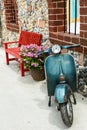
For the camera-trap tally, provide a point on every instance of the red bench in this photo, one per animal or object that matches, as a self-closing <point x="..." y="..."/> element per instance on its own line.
<point x="26" y="38"/>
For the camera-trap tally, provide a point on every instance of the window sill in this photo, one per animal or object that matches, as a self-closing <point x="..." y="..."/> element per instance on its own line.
<point x="69" y="35"/>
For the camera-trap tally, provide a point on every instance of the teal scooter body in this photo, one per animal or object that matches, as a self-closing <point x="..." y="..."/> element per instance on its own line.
<point x="61" y="77"/>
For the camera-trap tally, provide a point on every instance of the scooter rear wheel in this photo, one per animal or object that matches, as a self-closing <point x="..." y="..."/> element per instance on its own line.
<point x="66" y="110"/>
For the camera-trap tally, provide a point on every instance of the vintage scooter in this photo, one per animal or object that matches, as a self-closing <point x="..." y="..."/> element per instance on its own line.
<point x="60" y="71"/>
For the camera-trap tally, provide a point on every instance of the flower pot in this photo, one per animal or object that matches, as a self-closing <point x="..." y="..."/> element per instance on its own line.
<point x="37" y="75"/>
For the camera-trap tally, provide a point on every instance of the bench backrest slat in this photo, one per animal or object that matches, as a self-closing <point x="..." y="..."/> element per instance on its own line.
<point x="27" y="38"/>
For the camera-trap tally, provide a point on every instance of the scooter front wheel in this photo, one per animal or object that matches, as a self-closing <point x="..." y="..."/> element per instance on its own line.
<point x="66" y="110"/>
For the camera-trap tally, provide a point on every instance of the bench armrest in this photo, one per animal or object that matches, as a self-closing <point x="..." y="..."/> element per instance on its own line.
<point x="8" y="43"/>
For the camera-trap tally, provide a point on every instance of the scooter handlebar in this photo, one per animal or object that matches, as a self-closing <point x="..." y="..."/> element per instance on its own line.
<point x="45" y="51"/>
<point x="49" y="50"/>
<point x="70" y="46"/>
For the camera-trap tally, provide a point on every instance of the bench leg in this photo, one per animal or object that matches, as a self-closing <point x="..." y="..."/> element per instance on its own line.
<point x="7" y="59"/>
<point x="22" y="68"/>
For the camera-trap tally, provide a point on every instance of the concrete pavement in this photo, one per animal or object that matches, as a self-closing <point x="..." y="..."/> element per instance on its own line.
<point x="24" y="103"/>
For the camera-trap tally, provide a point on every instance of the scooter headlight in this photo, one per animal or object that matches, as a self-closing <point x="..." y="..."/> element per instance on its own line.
<point x="56" y="49"/>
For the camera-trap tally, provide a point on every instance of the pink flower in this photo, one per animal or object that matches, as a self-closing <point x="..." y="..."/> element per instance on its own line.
<point x="34" y="64"/>
<point x="30" y="54"/>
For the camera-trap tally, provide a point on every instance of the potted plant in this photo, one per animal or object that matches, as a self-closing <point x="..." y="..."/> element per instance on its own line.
<point x="34" y="62"/>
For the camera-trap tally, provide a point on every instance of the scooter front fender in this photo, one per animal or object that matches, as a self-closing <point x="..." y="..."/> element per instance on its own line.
<point x="62" y="93"/>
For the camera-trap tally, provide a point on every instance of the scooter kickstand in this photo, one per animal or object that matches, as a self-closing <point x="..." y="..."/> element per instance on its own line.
<point x="74" y="99"/>
<point x="58" y="107"/>
<point x="49" y="103"/>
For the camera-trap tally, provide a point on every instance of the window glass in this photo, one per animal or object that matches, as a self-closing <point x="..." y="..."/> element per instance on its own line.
<point x="74" y="13"/>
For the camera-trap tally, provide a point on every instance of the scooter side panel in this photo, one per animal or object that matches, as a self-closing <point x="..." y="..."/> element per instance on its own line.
<point x="52" y="72"/>
<point x="69" y="70"/>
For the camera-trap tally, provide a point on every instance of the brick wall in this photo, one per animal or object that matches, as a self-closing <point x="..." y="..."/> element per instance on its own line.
<point x="56" y="24"/>
<point x="11" y="13"/>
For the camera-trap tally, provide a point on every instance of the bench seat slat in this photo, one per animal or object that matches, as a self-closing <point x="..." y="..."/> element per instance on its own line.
<point x="14" y="51"/>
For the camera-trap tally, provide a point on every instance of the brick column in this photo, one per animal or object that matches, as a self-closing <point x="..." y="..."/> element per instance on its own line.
<point x="11" y="12"/>
<point x="83" y="22"/>
<point x="56" y="18"/>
